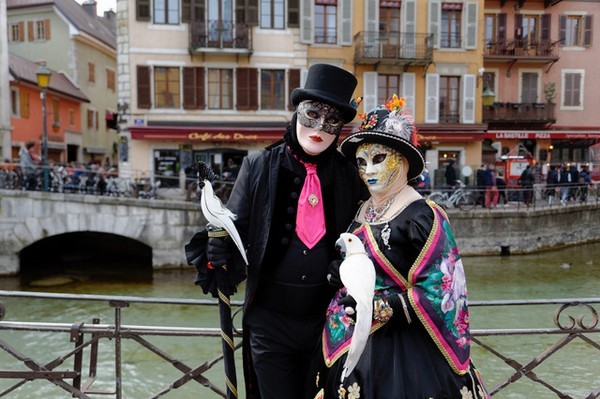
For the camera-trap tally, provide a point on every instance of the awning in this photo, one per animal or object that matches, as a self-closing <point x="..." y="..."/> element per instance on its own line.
<point x="541" y="134"/>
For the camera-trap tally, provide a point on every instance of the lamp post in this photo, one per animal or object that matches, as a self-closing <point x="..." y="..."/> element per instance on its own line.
<point x="43" y="81"/>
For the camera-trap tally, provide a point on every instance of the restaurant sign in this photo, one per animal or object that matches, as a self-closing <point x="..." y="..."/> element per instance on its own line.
<point x="524" y="135"/>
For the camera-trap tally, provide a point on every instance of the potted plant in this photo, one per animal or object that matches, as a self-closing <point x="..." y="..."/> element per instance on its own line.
<point x="550" y="92"/>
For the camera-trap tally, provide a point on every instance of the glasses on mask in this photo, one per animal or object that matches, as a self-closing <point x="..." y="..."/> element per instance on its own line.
<point x="320" y="116"/>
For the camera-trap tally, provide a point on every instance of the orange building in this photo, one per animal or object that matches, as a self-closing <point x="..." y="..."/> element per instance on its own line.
<point x="63" y="102"/>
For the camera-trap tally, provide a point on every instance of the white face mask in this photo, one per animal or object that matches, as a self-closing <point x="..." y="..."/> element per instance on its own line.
<point x="312" y="141"/>
<point x="378" y="166"/>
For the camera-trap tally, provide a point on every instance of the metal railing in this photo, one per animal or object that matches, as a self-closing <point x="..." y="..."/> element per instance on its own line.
<point x="393" y="48"/>
<point x="567" y="328"/>
<point x="513" y="113"/>
<point x="220" y="34"/>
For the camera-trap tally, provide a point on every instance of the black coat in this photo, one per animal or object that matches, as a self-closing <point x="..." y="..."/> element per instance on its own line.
<point x="253" y="201"/>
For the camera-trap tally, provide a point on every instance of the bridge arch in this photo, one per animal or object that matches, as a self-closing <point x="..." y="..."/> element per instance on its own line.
<point x="86" y="254"/>
<point x="29" y="217"/>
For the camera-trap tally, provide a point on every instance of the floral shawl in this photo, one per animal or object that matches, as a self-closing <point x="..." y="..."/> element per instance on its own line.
<point x="436" y="288"/>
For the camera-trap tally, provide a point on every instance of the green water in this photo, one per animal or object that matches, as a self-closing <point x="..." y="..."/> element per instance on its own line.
<point x="565" y="273"/>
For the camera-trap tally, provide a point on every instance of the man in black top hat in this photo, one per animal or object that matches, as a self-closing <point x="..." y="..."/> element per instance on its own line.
<point x="289" y="218"/>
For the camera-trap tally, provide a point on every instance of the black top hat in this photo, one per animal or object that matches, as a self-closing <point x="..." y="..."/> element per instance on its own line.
<point x="391" y="126"/>
<point x="330" y="85"/>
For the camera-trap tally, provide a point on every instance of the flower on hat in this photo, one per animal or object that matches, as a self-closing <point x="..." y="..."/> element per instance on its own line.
<point x="396" y="104"/>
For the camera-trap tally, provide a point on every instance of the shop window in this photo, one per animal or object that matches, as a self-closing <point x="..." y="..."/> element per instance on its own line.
<point x="166" y="167"/>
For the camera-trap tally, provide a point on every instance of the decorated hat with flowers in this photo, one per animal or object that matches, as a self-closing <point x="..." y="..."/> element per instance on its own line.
<point x="390" y="125"/>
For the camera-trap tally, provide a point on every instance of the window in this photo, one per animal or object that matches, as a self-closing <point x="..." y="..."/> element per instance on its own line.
<point x="272" y="89"/>
<point x="110" y="80"/>
<point x="166" y="87"/>
<point x="490" y="28"/>
<point x="220" y="89"/>
<point x="387" y="86"/>
<point x="572" y="89"/>
<point x="451" y="25"/>
<point x="449" y="100"/>
<point x="14" y="103"/>
<point x="55" y="111"/>
<point x="389" y="19"/>
<point x="220" y="23"/>
<point x="92" y="119"/>
<point x="326" y="21"/>
<point x="16" y="32"/>
<point x="575" y="30"/>
<point x="166" y="12"/>
<point x="272" y="14"/>
<point x="91" y="72"/>
<point x="38" y="30"/>
<point x="71" y="117"/>
<point x="529" y="30"/>
<point x="529" y="87"/>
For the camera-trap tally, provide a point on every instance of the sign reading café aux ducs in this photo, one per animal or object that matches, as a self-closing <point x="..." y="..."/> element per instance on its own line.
<point x="206" y="134"/>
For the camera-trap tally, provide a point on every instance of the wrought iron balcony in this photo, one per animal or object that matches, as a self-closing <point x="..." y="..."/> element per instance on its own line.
<point x="543" y="51"/>
<point x="220" y="36"/>
<point x="393" y="48"/>
<point x="513" y="113"/>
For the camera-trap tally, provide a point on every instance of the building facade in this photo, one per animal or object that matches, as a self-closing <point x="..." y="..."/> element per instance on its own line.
<point x="82" y="46"/>
<point x="210" y="79"/>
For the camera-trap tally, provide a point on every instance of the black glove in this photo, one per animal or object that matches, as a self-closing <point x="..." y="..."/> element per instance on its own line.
<point x="219" y="251"/>
<point x="349" y="304"/>
<point x="333" y="274"/>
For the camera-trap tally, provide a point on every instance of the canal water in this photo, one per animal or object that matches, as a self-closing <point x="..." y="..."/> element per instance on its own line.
<point x="565" y="273"/>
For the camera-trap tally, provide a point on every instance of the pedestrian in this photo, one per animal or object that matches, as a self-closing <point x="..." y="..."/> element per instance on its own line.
<point x="563" y="181"/>
<point x="526" y="181"/>
<point x="585" y="180"/>
<point x="574" y="180"/>
<point x="491" y="189"/>
<point x="450" y="174"/>
<point x="28" y="163"/>
<point x="288" y="248"/>
<point x="551" y="184"/>
<point x="419" y="341"/>
<point x="480" y="186"/>
<point x="501" y="184"/>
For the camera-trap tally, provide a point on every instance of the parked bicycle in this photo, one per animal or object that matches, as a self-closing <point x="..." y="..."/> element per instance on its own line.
<point x="461" y="197"/>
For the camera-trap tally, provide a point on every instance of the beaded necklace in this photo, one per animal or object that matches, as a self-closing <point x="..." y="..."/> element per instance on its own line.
<point x="373" y="214"/>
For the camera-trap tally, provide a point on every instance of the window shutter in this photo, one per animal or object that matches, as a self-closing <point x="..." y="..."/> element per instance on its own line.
<point x="502" y="28"/>
<point x="409" y="21"/>
<point x="408" y="90"/>
<point x="293" y="82"/>
<point x="21" y="31"/>
<point x="186" y="11"/>
<point x="471" y="31"/>
<point x="518" y="26"/>
<point x="372" y="28"/>
<point x="346" y="27"/>
<point x="432" y="83"/>
<point x="142" y="10"/>
<point x="293" y="14"/>
<point x="468" y="103"/>
<point x="247" y="89"/>
<point x="587" y="30"/>
<point x="30" y="36"/>
<point x="435" y="15"/>
<point x="193" y="88"/>
<point x="370" y="91"/>
<point x="562" y="29"/>
<point x="24" y="103"/>
<point x="143" y="87"/>
<point x="545" y="32"/>
<point x="306" y="18"/>
<point x="47" y="28"/>
<point x="246" y="12"/>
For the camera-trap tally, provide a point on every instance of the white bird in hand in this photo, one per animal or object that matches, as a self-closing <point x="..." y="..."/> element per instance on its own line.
<point x="357" y="273"/>
<point x="215" y="212"/>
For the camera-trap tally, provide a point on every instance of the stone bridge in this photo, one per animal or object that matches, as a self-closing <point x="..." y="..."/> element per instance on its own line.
<point x="160" y="227"/>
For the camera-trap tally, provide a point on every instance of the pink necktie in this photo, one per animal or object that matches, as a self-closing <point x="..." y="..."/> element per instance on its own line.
<point x="310" y="220"/>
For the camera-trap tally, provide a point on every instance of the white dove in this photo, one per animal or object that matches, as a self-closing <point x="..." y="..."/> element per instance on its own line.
<point x="218" y="215"/>
<point x="357" y="273"/>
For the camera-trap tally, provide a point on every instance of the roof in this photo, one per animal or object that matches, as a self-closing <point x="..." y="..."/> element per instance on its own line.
<point x="92" y="25"/>
<point x="24" y="70"/>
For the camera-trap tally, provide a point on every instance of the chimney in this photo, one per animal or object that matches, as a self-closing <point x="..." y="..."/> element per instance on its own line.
<point x="110" y="15"/>
<point x="90" y="7"/>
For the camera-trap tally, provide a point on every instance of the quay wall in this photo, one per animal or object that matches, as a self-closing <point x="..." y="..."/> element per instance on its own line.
<point x="523" y="231"/>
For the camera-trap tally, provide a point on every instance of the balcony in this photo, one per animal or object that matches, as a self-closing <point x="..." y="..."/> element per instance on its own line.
<point x="519" y="113"/>
<point x="393" y="48"/>
<point x="221" y="37"/>
<point x="515" y="51"/>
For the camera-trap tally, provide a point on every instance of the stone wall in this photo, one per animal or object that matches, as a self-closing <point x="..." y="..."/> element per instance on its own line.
<point x="481" y="232"/>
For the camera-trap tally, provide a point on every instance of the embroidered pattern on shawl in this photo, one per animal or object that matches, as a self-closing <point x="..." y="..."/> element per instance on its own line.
<point x="436" y="289"/>
<point x="439" y="293"/>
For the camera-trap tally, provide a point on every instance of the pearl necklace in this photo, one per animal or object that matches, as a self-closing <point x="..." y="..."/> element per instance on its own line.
<point x="373" y="214"/>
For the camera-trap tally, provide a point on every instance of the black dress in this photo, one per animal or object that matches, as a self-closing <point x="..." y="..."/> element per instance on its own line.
<point x="423" y="350"/>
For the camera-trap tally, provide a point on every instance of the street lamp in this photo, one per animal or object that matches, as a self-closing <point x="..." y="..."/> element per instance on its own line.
<point x="43" y="80"/>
